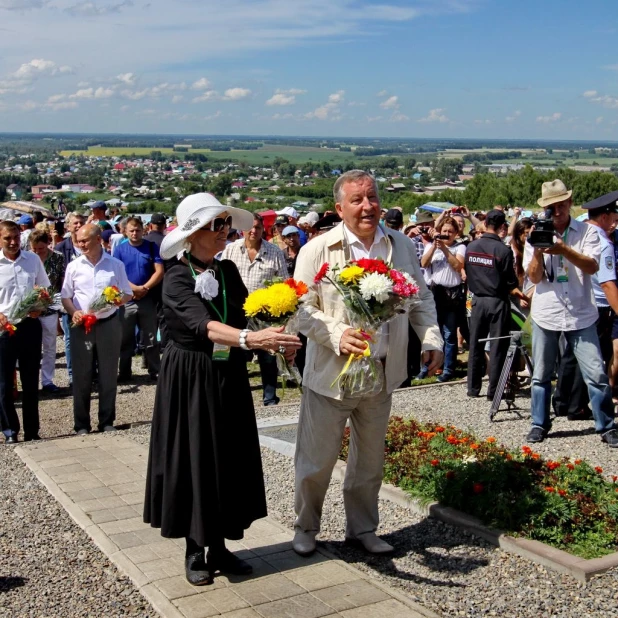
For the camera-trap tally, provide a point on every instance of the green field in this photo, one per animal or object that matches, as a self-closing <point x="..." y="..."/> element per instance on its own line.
<point x="262" y="156"/>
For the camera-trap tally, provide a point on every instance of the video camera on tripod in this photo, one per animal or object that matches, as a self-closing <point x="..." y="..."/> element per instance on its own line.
<point x="543" y="234"/>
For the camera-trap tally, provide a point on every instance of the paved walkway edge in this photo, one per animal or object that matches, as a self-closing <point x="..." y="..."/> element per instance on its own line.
<point x="555" y="559"/>
<point x="53" y="466"/>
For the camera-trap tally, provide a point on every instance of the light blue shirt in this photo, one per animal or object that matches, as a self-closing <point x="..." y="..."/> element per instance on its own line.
<point x="607" y="268"/>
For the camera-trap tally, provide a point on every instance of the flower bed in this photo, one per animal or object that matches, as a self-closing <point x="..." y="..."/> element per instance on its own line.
<point x="567" y="503"/>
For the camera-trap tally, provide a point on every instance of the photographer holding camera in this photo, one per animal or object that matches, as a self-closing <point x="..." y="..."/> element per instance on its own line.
<point x="564" y="303"/>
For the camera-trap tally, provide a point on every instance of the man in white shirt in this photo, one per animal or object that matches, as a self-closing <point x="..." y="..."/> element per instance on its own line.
<point x="20" y="272"/>
<point x="324" y="407"/>
<point x="563" y="302"/>
<point x="85" y="278"/>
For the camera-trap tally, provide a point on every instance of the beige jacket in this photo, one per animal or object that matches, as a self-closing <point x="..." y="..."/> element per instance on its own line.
<point x="323" y="316"/>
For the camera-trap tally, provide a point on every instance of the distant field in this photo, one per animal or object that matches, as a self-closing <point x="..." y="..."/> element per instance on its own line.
<point x="267" y="154"/>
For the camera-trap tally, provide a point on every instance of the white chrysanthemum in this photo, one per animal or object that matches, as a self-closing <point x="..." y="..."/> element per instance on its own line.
<point x="375" y="285"/>
<point x="409" y="278"/>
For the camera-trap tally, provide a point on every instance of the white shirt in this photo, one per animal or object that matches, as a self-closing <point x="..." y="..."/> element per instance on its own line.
<point x="19" y="277"/>
<point x="24" y="239"/>
<point x="84" y="281"/>
<point x="570" y="305"/>
<point x="378" y="249"/>
<point x="440" y="272"/>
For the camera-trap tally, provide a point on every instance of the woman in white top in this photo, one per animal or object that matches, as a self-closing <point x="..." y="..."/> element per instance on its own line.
<point x="444" y="263"/>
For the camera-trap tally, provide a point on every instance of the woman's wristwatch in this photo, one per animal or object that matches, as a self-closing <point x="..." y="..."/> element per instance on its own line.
<point x="242" y="339"/>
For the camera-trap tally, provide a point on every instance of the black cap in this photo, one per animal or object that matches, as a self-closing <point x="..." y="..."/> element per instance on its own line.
<point x="394" y="216"/>
<point x="495" y="218"/>
<point x="282" y="220"/>
<point x="106" y="235"/>
<point x="158" y="219"/>
<point x="605" y="203"/>
<point x="327" y="223"/>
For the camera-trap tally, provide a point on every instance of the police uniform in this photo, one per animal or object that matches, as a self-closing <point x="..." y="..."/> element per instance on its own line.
<point x="491" y="276"/>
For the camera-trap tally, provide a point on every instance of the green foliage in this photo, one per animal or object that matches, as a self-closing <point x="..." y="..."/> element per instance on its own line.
<point x="567" y="503"/>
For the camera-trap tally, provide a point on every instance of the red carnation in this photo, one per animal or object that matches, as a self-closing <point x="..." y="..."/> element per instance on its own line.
<point x="373" y="266"/>
<point x="435" y="462"/>
<point x="477" y="488"/>
<point x="321" y="273"/>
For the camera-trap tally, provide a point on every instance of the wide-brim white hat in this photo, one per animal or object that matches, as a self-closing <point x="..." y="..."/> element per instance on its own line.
<point x="553" y="192"/>
<point x="193" y="213"/>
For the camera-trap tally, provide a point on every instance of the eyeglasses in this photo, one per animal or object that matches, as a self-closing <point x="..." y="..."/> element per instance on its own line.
<point x="292" y="235"/>
<point x="216" y="225"/>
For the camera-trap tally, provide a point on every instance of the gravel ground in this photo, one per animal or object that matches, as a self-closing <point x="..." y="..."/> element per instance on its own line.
<point x="49" y="567"/>
<point x="439" y="566"/>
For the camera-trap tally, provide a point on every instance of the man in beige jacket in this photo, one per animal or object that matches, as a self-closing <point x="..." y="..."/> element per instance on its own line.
<point x="324" y="409"/>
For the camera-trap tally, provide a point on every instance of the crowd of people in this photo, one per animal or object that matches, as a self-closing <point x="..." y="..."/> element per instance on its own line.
<point x="182" y="286"/>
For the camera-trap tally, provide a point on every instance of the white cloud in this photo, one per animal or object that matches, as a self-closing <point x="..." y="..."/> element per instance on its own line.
<point x="56" y="98"/>
<point x="611" y="67"/>
<point x="481" y="122"/>
<point x="548" y="119"/>
<point x="513" y="118"/>
<point x="236" y="94"/>
<point x="599" y="119"/>
<point x="390" y="103"/>
<point x="435" y="115"/>
<point x="373" y="118"/>
<point x="29" y="106"/>
<point x="92" y="93"/>
<point x="177" y="98"/>
<point x="38" y="67"/>
<point x="96" y="9"/>
<point x="217" y="114"/>
<point x="330" y="110"/>
<point x="605" y="100"/>
<point x="62" y="105"/>
<point x="125" y="108"/>
<point x="285" y="97"/>
<point x="399" y="117"/>
<point x="207" y="97"/>
<point x="126" y="78"/>
<point x="382" y="93"/>
<point x="22" y="5"/>
<point x="201" y="84"/>
<point x="282" y="116"/>
<point x="590" y="93"/>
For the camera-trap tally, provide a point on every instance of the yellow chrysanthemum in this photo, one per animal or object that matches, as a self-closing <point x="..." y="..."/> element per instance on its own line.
<point x="282" y="299"/>
<point x="257" y="302"/>
<point x="111" y="294"/>
<point x="351" y="274"/>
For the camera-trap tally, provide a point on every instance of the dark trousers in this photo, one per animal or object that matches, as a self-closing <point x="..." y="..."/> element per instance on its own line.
<point x="413" y="356"/>
<point x="571" y="394"/>
<point x="103" y="342"/>
<point x="301" y="354"/>
<point x="142" y="313"/>
<point x="268" y="369"/>
<point x="24" y="346"/>
<point x="490" y="316"/>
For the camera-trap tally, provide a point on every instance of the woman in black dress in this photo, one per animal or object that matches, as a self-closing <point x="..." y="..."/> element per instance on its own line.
<point x="204" y="478"/>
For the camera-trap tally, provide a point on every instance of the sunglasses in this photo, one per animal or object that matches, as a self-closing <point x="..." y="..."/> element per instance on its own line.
<point x="216" y="225"/>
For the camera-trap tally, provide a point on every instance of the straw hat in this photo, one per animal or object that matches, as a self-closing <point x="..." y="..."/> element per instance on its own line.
<point x="193" y="213"/>
<point x="553" y="192"/>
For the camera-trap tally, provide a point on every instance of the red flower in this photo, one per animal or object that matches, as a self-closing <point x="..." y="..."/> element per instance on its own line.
<point x="570" y="466"/>
<point x="439" y="429"/>
<point x="450" y="475"/>
<point x="577" y="462"/>
<point x="10" y="328"/>
<point x="373" y="266"/>
<point x="551" y="490"/>
<point x="614" y="478"/>
<point x="321" y="273"/>
<point x="298" y="286"/>
<point x="552" y="465"/>
<point x="598" y="469"/>
<point x="535" y="456"/>
<point x="89" y="321"/>
<point x="435" y="462"/>
<point x="452" y="440"/>
<point x="477" y="488"/>
<point x="490" y="440"/>
<point x="474" y="446"/>
<point x="562" y="492"/>
<point x="526" y="450"/>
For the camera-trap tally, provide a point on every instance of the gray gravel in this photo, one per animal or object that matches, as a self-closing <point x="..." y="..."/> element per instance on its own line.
<point x="48" y="565"/>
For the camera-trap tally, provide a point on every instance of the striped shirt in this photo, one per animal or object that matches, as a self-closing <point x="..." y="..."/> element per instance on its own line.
<point x="268" y="263"/>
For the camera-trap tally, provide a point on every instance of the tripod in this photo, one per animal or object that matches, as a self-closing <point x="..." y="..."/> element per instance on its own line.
<point x="509" y="382"/>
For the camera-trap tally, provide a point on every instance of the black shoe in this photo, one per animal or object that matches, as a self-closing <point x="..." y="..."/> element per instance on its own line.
<point x="473" y="394"/>
<point x="124" y="378"/>
<point x="30" y="438"/>
<point x="611" y="438"/>
<point x="536" y="434"/>
<point x="225" y="561"/>
<point x="584" y="414"/>
<point x="196" y="571"/>
<point x="51" y="389"/>
<point x="153" y="377"/>
<point x="11" y="439"/>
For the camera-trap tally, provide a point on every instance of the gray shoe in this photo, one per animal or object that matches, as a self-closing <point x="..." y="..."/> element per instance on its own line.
<point x="536" y="434"/>
<point x="109" y="428"/>
<point x="372" y="543"/>
<point x="304" y="543"/>
<point x="611" y="438"/>
<point x="83" y="432"/>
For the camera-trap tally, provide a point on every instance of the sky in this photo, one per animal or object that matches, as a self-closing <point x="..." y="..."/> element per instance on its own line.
<point x="335" y="68"/>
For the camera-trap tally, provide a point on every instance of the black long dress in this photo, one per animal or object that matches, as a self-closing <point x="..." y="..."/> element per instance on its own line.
<point x="204" y="476"/>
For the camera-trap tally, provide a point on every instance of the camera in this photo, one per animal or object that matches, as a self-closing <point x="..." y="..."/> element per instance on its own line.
<point x="423" y="229"/>
<point x="456" y="210"/>
<point x="442" y="236"/>
<point x="543" y="234"/>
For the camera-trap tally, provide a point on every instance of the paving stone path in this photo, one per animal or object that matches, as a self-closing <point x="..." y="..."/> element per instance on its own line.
<point x="100" y="482"/>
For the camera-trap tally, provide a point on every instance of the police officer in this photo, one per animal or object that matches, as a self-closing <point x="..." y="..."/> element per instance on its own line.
<point x="571" y="395"/>
<point x="491" y="278"/>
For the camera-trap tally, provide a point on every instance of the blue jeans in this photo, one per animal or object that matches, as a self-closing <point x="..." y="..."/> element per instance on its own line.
<point x="448" y="326"/>
<point x="66" y="327"/>
<point x="585" y="346"/>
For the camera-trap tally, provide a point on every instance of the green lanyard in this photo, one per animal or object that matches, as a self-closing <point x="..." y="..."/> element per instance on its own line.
<point x="223" y="317"/>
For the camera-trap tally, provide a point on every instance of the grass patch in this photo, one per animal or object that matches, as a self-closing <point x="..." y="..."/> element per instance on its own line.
<point x="567" y="504"/>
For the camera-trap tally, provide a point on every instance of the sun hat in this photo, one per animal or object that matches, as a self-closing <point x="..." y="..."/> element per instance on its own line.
<point x="289" y="211"/>
<point x="290" y="229"/>
<point x="193" y="213"/>
<point x="312" y="218"/>
<point x="553" y="192"/>
<point x="424" y="216"/>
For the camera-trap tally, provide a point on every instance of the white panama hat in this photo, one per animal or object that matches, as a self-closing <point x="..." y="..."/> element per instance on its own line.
<point x="553" y="192"/>
<point x="193" y="213"/>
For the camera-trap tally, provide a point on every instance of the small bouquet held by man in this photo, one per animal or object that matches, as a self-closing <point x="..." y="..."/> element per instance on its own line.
<point x="37" y="301"/>
<point x="373" y="293"/>
<point x="109" y="297"/>
<point x="277" y="304"/>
